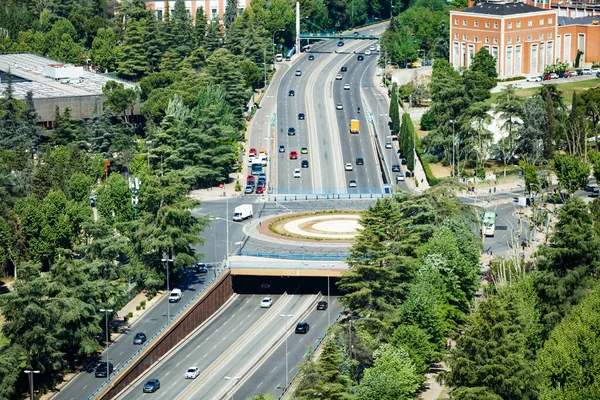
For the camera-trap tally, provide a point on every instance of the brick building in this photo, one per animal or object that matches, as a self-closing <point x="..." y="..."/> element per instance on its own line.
<point x="212" y="8"/>
<point x="523" y="38"/>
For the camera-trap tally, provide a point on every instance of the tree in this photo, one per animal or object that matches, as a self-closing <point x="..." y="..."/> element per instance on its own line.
<point x="231" y="13"/>
<point x="252" y="74"/>
<point x="134" y="61"/>
<point x="509" y="106"/>
<point x="393" y="377"/>
<point x="105" y="53"/>
<point x="114" y="200"/>
<point x="591" y="99"/>
<point x="417" y="343"/>
<point x="572" y="172"/>
<point x="394" y="112"/>
<point x="200" y="27"/>
<point x="533" y="137"/>
<point x="64" y="131"/>
<point x="530" y="176"/>
<point x="118" y="98"/>
<point x="213" y="39"/>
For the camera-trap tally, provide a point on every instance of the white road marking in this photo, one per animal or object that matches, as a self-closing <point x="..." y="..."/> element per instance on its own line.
<point x="273" y="370"/>
<point x="259" y="385"/>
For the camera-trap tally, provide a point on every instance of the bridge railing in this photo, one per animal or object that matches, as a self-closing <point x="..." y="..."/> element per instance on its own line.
<point x="303" y="257"/>
<point x="339" y="196"/>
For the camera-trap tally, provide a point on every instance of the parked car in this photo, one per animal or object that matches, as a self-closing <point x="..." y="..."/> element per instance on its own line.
<point x="151" y="386"/>
<point x="553" y="76"/>
<point x="192" y="373"/>
<point x="102" y="368"/>
<point x="565" y="75"/>
<point x="201" y="268"/>
<point x="396" y="168"/>
<point x="597" y="74"/>
<point x="586" y="71"/>
<point x="536" y="78"/>
<point x="322" y="305"/>
<point x="302" y="327"/>
<point x="547" y="77"/>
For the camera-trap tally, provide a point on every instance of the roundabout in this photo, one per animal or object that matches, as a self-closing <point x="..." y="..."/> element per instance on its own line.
<point x="328" y="226"/>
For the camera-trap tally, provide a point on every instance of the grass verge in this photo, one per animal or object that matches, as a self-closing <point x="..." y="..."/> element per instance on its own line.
<point x="276" y="225"/>
<point x="567" y="90"/>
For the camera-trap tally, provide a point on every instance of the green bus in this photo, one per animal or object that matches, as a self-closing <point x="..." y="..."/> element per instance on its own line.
<point x="489" y="223"/>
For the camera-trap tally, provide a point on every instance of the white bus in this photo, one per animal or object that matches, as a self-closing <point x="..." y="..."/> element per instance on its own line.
<point x="489" y="223"/>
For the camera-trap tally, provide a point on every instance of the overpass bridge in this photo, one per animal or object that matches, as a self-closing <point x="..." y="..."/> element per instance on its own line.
<point x="338" y="36"/>
<point x="255" y="266"/>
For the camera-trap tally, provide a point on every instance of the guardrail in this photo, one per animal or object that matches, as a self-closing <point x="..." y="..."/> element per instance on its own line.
<point x="305" y="257"/>
<point x="148" y="342"/>
<point x="307" y="358"/>
<point x="338" y="196"/>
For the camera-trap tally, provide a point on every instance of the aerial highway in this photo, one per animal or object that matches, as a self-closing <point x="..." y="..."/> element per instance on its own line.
<point x="228" y="345"/>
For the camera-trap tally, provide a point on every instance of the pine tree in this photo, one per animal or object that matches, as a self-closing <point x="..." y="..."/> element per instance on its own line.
<point x="213" y="39"/>
<point x="231" y="13"/>
<point x="64" y="129"/>
<point x="153" y="43"/>
<point x="200" y="27"/>
<point x="134" y="63"/>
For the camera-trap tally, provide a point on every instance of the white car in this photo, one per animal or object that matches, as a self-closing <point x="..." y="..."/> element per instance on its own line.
<point x="400" y="178"/>
<point x="388" y="145"/>
<point x="518" y="86"/>
<point x="378" y="47"/>
<point x="586" y="71"/>
<point x="338" y="77"/>
<point x="367" y="52"/>
<point x="266" y="302"/>
<point x="339" y="106"/>
<point x="372" y="48"/>
<point x="298" y="72"/>
<point x="346" y="86"/>
<point x="192" y="373"/>
<point x="297" y="173"/>
<point x="534" y="79"/>
<point x="595" y="70"/>
<point x="352" y="183"/>
<point x="348" y="167"/>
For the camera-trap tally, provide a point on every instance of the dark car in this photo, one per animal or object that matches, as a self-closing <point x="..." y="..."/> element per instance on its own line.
<point x="396" y="168"/>
<point x="322" y="305"/>
<point x="360" y="161"/>
<point x="93" y="201"/>
<point x="356" y="34"/>
<point x="101" y="370"/>
<point x="201" y="268"/>
<point x="301" y="116"/>
<point x="139" y="338"/>
<point x="565" y="75"/>
<point x="340" y="43"/>
<point x="291" y="131"/>
<point x="304" y="164"/>
<point x="360" y="58"/>
<point x="344" y="69"/>
<point x="281" y="148"/>
<point x="302" y="327"/>
<point x="291" y="93"/>
<point x="598" y="74"/>
<point x="311" y="57"/>
<point x="151" y="386"/>
<point x="288" y="58"/>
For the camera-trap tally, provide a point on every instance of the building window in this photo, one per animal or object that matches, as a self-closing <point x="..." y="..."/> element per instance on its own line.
<point x="456" y="36"/>
<point x="487" y="39"/>
<point x="495" y="25"/>
<point x="510" y="25"/>
<point x="509" y="40"/>
<point x="487" y="24"/>
<point x="518" y="39"/>
<point x="495" y="40"/>
<point x="455" y="21"/>
<point x="541" y="36"/>
<point x="529" y="38"/>
<point x="464" y="37"/>
<point x="549" y="21"/>
<point x="530" y="23"/>
<point x="541" y="21"/>
<point x="213" y="13"/>
<point x="464" y="22"/>
<point x="549" y="35"/>
<point x="518" y="24"/>
<point x="476" y="23"/>
<point x="159" y="15"/>
<point x="495" y="52"/>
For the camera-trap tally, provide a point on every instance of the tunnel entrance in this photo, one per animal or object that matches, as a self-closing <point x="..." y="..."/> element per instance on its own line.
<point x="247" y="284"/>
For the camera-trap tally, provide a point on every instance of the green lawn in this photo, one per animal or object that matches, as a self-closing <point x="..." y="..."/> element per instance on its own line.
<point x="566" y="88"/>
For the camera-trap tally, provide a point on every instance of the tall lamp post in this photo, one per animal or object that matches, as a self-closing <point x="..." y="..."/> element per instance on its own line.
<point x="234" y="380"/>
<point x="329" y="266"/>
<point x="106" y="311"/>
<point x="166" y="260"/>
<point x="30" y="373"/>
<point x="287" y="378"/>
<point x="276" y="30"/>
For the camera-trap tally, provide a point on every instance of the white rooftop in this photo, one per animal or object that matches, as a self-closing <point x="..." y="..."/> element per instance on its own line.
<point x="31" y="67"/>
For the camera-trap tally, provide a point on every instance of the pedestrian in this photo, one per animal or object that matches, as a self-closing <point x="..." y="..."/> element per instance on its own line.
<point x="494" y="189"/>
<point x="490" y="191"/>
<point x="523" y="244"/>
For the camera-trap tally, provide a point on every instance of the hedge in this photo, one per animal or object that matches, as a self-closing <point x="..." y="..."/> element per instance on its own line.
<point x="432" y="180"/>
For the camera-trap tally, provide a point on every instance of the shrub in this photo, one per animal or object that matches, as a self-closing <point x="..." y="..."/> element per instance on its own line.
<point x="143" y="304"/>
<point x="430" y="158"/>
<point x="238" y="187"/>
<point x="428" y="121"/>
<point x="129" y="314"/>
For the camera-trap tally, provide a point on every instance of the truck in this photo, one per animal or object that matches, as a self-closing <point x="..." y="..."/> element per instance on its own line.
<point x="354" y="126"/>
<point x="242" y="212"/>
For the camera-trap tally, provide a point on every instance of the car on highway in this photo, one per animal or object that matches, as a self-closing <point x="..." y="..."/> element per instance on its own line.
<point x="252" y="152"/>
<point x="291" y="131"/>
<point x="260" y="188"/>
<point x="372" y="48"/>
<point x="201" y="268"/>
<point x="151" y="386"/>
<point x="249" y="189"/>
<point x="400" y="178"/>
<point x="348" y="167"/>
<point x="339" y="106"/>
<point x="311" y="57"/>
<point x="367" y="52"/>
<point x="322" y="305"/>
<point x="304" y="150"/>
<point x="266" y="302"/>
<point x="352" y="183"/>
<point x="340" y="43"/>
<point x="395" y="167"/>
<point x="388" y="145"/>
<point x="301" y="116"/>
<point x="192" y="373"/>
<point x="360" y="161"/>
<point x="175" y="295"/>
<point x="281" y="148"/>
<point x="338" y="77"/>
<point x="279" y="57"/>
<point x="360" y="58"/>
<point x="101" y="370"/>
<point x="536" y="78"/>
<point x="356" y="34"/>
<point x="302" y="327"/>
<point x="291" y="93"/>
<point x="293" y="155"/>
<point x="346" y="86"/>
<point x="344" y="69"/>
<point x="304" y="164"/>
<point x="297" y="173"/>
<point x="298" y="72"/>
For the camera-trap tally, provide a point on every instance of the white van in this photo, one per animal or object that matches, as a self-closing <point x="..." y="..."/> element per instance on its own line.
<point x="242" y="212"/>
<point x="175" y="296"/>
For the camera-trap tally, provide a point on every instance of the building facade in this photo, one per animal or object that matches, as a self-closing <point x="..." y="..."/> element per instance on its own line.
<point x="214" y="9"/>
<point x="523" y="38"/>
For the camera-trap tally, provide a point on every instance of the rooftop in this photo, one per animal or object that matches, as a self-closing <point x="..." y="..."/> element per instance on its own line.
<point x="562" y="21"/>
<point x="496" y="8"/>
<point x="29" y="68"/>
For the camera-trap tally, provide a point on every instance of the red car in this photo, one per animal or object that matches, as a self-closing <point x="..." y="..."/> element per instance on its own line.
<point x="293" y="155"/>
<point x="252" y="152"/>
<point x="260" y="189"/>
<point x="250" y="178"/>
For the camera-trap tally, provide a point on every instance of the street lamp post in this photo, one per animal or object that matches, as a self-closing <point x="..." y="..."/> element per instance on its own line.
<point x="30" y="373"/>
<point x="106" y="311"/>
<point x="166" y="260"/>
<point x="234" y="380"/>
<point x="287" y="379"/>
<point x="276" y="30"/>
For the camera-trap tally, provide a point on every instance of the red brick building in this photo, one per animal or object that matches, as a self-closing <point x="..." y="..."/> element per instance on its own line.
<point x="523" y="38"/>
<point x="212" y="8"/>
